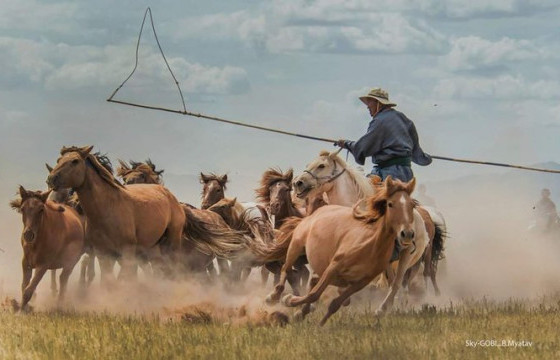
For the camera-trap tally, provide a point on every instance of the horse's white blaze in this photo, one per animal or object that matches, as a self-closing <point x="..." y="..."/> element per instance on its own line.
<point x="403" y="202"/>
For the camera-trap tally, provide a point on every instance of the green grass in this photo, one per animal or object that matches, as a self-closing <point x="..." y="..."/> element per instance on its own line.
<point x="352" y="334"/>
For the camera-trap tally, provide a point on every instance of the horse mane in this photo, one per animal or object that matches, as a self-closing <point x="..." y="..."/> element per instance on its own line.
<point x="104" y="161"/>
<point x="269" y="178"/>
<point x="358" y="179"/>
<point x="376" y="204"/>
<point x="42" y="196"/>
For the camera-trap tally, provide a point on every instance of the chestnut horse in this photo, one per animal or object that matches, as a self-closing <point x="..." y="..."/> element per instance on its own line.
<point x="274" y="194"/>
<point x="343" y="185"/>
<point x="349" y="247"/>
<point x="122" y="222"/>
<point x="52" y="238"/>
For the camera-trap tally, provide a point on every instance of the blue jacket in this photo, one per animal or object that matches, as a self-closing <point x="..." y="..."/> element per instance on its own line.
<point x="390" y="134"/>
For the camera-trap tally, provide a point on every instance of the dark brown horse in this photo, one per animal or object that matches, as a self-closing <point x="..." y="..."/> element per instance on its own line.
<point x="123" y="222"/>
<point x="52" y="238"/>
<point x="139" y="173"/>
<point x="275" y="195"/>
<point x="214" y="187"/>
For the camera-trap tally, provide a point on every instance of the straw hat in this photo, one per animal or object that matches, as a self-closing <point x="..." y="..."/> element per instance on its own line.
<point x="378" y="94"/>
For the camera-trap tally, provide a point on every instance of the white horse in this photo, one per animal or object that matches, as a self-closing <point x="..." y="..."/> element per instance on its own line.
<point x="344" y="185"/>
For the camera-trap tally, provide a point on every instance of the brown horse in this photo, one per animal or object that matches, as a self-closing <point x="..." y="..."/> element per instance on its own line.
<point x="52" y="238"/>
<point x="122" y="222"/>
<point x="349" y="247"/>
<point x="139" y="173"/>
<point x="214" y="187"/>
<point x="275" y="195"/>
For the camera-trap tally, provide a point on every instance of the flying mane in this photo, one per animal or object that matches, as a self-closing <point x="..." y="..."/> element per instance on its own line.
<point x="269" y="178"/>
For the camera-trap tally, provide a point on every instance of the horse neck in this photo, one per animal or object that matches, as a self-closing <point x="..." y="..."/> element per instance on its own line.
<point x="50" y="229"/>
<point x="286" y="210"/>
<point x="96" y="194"/>
<point x="345" y="191"/>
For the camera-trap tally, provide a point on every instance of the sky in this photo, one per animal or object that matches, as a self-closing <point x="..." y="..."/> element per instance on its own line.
<point x="480" y="80"/>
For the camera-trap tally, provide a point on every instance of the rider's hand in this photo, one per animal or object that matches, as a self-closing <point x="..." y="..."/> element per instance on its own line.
<point x="340" y="143"/>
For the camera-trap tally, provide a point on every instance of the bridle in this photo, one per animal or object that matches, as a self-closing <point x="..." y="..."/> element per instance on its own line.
<point x="330" y="178"/>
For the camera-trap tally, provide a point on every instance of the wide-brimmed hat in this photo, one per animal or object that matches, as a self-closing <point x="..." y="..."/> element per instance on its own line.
<point x="378" y="94"/>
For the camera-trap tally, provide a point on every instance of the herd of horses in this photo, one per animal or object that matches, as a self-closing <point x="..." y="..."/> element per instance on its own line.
<point x="347" y="228"/>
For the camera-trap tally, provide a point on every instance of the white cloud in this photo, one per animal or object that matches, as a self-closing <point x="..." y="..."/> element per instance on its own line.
<point x="505" y="87"/>
<point x="473" y="52"/>
<point x="37" y="15"/>
<point x="325" y="26"/>
<point x="60" y="66"/>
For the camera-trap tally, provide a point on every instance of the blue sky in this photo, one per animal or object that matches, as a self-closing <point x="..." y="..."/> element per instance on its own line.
<point x="491" y="68"/>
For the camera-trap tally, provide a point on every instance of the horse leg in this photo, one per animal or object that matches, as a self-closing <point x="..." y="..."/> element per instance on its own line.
<point x="302" y="272"/>
<point x="64" y="275"/>
<point x="411" y="274"/>
<point x="427" y="263"/>
<point x="225" y="270"/>
<point x="245" y="272"/>
<point x="404" y="257"/>
<point x="433" y="271"/>
<point x="306" y="308"/>
<point x="90" y="268"/>
<point x="27" y="273"/>
<point x="317" y="290"/>
<point x="295" y="250"/>
<point x="343" y="298"/>
<point x="53" y="282"/>
<point x="264" y="275"/>
<point x="30" y="289"/>
<point x="106" y="265"/>
<point x="129" y="265"/>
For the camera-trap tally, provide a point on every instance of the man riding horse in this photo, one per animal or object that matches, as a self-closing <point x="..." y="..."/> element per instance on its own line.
<point x="391" y="140"/>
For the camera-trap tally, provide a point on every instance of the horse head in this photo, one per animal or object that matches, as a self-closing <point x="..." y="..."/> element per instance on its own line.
<point x="213" y="189"/>
<point x="31" y="205"/>
<point x="70" y="169"/>
<point x="275" y="190"/>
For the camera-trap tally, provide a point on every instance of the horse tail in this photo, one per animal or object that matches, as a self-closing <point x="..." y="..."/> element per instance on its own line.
<point x="438" y="244"/>
<point x="278" y="250"/>
<point x="213" y="239"/>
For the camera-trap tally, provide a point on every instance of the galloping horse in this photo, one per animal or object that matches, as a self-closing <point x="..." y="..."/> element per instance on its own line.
<point x="349" y="247"/>
<point x="275" y="195"/>
<point x="345" y="186"/>
<point x="52" y="238"/>
<point x="122" y="222"/>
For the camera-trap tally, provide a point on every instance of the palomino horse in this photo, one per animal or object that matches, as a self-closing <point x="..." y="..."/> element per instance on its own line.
<point x="349" y="247"/>
<point x="52" y="238"/>
<point x="275" y="195"/>
<point x="139" y="173"/>
<point x="122" y="222"/>
<point x="346" y="186"/>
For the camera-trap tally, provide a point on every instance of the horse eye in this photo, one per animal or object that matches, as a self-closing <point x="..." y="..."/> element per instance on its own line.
<point x="219" y="190"/>
<point x="75" y="162"/>
<point x="322" y="166"/>
<point x="390" y="204"/>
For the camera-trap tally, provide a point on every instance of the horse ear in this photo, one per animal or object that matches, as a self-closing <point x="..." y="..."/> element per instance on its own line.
<point x="411" y="185"/>
<point x="45" y="195"/>
<point x="204" y="178"/>
<point x="375" y="180"/>
<point x="289" y="175"/>
<point x="23" y="193"/>
<point x="49" y="167"/>
<point x="16" y="205"/>
<point x="389" y="182"/>
<point x="159" y="172"/>
<point x="223" y="179"/>
<point x="86" y="149"/>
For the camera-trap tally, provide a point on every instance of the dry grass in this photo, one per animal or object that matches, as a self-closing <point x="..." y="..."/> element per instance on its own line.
<point x="425" y="333"/>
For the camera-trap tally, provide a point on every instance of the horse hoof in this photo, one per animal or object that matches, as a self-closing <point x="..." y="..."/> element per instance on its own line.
<point x="271" y="300"/>
<point x="298" y="316"/>
<point x="286" y="300"/>
<point x="312" y="308"/>
<point x="379" y="313"/>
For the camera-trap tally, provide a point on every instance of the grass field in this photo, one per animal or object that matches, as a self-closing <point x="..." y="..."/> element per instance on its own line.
<point x="426" y="333"/>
